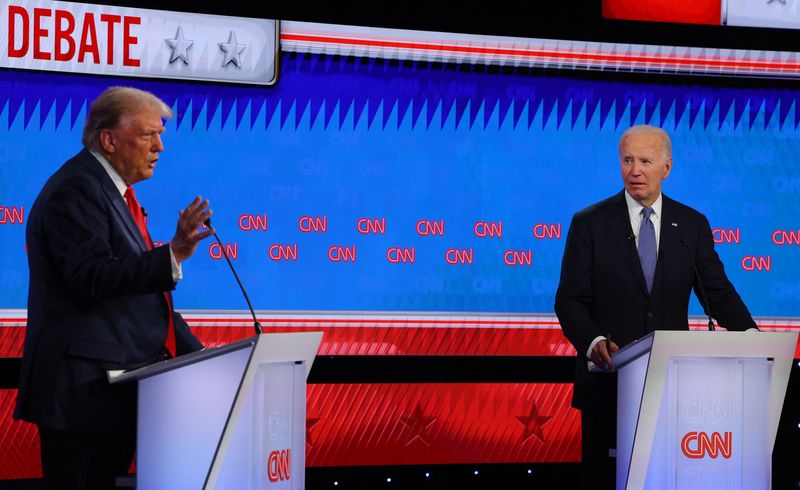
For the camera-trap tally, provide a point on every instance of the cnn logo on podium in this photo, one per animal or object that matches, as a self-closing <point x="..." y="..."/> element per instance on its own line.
<point x="697" y="445"/>
<point x="279" y="465"/>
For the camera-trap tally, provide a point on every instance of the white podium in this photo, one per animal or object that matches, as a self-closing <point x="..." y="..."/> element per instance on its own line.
<point x="700" y="409"/>
<point x="231" y="417"/>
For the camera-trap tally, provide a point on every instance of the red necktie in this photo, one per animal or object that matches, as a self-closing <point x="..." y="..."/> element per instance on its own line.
<point x="141" y="223"/>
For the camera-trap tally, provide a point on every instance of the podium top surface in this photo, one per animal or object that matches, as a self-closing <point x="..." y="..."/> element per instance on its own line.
<point x="180" y="361"/>
<point x="719" y="343"/>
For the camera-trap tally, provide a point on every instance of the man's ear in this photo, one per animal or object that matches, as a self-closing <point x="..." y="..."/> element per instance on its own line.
<point x="667" y="168"/>
<point x="107" y="141"/>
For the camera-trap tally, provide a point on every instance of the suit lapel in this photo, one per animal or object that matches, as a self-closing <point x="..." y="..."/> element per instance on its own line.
<point x="620" y="223"/>
<point x="668" y="239"/>
<point x="117" y="201"/>
<point x="124" y="214"/>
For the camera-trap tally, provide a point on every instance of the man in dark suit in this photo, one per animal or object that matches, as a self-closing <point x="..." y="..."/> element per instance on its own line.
<point x="629" y="269"/>
<point x="99" y="295"/>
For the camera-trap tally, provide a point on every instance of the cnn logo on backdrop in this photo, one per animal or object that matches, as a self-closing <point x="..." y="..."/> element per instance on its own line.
<point x="697" y="445"/>
<point x="279" y="465"/>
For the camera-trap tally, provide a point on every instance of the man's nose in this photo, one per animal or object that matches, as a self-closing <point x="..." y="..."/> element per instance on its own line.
<point x="158" y="145"/>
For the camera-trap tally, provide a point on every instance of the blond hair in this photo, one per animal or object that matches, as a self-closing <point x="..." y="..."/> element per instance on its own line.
<point x="112" y="106"/>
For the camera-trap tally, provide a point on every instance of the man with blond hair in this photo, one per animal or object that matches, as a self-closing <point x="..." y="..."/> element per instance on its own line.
<point x="99" y="294"/>
<point x="629" y="269"/>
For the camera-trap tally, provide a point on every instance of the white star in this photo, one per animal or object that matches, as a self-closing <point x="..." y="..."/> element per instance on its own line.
<point x="232" y="51"/>
<point x="180" y="47"/>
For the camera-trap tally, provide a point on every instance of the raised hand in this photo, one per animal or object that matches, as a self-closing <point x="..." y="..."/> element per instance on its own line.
<point x="188" y="233"/>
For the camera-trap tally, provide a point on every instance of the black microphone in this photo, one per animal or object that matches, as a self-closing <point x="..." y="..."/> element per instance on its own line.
<point x="256" y="324"/>
<point x="704" y="301"/>
<point x="631" y="237"/>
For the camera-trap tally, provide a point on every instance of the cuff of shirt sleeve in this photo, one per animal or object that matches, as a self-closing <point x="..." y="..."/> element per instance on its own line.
<point x="591" y="346"/>
<point x="177" y="270"/>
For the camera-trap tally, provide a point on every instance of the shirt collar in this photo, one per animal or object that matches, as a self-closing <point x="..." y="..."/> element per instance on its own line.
<point x="116" y="178"/>
<point x="635" y="209"/>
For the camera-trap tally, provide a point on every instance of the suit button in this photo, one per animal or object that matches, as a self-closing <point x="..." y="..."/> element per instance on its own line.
<point x="650" y="314"/>
<point x="163" y="316"/>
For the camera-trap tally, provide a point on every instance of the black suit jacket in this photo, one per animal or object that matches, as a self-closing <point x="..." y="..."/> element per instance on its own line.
<point x="602" y="288"/>
<point x="95" y="302"/>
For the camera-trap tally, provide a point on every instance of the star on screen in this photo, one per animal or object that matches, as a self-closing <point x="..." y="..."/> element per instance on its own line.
<point x="232" y="50"/>
<point x="180" y="47"/>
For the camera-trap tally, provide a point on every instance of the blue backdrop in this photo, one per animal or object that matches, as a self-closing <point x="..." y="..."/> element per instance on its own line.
<point x="346" y="138"/>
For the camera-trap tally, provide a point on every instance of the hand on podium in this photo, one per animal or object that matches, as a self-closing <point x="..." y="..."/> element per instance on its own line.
<point x="601" y="354"/>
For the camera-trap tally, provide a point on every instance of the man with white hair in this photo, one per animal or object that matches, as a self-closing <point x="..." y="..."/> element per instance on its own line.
<point x="629" y="269"/>
<point x="99" y="295"/>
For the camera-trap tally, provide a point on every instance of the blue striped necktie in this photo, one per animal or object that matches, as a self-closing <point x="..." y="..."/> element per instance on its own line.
<point x="647" y="248"/>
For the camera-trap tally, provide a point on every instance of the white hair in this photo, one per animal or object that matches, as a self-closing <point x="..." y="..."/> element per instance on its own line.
<point x="642" y="129"/>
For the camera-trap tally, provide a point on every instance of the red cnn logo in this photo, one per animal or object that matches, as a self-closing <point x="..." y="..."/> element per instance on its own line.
<point x="253" y="222"/>
<point x="488" y="229"/>
<point x="752" y="263"/>
<point x="427" y="227"/>
<point x="313" y="224"/>
<point x="729" y="235"/>
<point x="12" y="215"/>
<point x="703" y="444"/>
<point x="544" y="231"/>
<point x="279" y="465"/>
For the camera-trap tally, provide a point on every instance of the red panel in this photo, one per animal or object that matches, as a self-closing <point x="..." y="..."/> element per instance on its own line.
<point x="680" y="11"/>
<point x="19" y="443"/>
<point x="411" y="340"/>
<point x="446" y="423"/>
<point x="11" y="340"/>
<point x="391" y="424"/>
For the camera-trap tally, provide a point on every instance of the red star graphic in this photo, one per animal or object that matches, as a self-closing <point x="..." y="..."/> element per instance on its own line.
<point x="417" y="423"/>
<point x="533" y="423"/>
<point x="310" y="423"/>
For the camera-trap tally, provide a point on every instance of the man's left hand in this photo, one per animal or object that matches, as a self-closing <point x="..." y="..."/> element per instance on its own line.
<point x="188" y="233"/>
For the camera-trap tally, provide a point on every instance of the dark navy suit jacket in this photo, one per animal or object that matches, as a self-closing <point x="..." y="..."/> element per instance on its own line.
<point x="95" y="303"/>
<point x="602" y="288"/>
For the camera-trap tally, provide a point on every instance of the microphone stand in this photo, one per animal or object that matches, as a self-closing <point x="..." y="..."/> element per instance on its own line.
<point x="256" y="324"/>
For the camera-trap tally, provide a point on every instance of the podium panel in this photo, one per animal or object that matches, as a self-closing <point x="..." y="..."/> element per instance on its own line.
<point x="226" y="418"/>
<point x="700" y="409"/>
<point x="268" y="445"/>
<point x="181" y="417"/>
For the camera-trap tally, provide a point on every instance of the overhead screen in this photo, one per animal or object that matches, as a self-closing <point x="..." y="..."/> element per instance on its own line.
<point x="377" y="185"/>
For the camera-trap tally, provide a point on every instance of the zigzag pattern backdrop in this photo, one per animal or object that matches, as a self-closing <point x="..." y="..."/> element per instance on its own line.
<point x="432" y="94"/>
<point x="346" y="139"/>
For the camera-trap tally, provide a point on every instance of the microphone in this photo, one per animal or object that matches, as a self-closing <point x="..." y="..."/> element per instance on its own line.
<point x="631" y="237"/>
<point x="256" y="324"/>
<point x="704" y="302"/>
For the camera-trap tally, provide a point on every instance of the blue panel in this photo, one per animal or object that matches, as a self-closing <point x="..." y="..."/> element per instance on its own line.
<point x="345" y="139"/>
